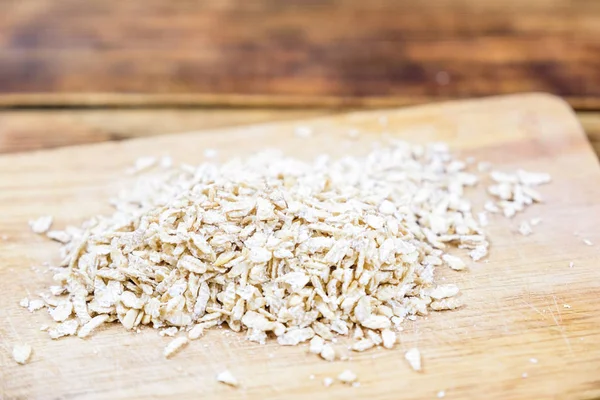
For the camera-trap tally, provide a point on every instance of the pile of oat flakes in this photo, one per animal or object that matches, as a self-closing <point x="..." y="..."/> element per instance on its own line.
<point x="280" y="248"/>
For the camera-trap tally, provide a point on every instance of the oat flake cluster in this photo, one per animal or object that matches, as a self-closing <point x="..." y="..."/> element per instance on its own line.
<point x="277" y="247"/>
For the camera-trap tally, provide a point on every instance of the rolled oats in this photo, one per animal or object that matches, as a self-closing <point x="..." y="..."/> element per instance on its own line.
<point x="413" y="356"/>
<point x="274" y="246"/>
<point x="389" y="338"/>
<point x="347" y="377"/>
<point x="41" y="225"/>
<point x="328" y="352"/>
<point x="175" y="345"/>
<point x="227" y="378"/>
<point x="21" y="353"/>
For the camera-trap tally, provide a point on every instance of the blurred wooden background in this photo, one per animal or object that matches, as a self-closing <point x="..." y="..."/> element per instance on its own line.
<point x="76" y="71"/>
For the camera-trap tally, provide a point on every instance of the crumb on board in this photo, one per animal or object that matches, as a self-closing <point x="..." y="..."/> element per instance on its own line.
<point x="303" y="131"/>
<point x="210" y="153"/>
<point x="588" y="242"/>
<point x="174" y="346"/>
<point x="21" y="353"/>
<point x="92" y="325"/>
<point x="327" y="381"/>
<point x="353" y="133"/>
<point x="525" y="228"/>
<point x="413" y="356"/>
<point x="35" y="304"/>
<point x="171" y="331"/>
<point x="347" y="376"/>
<point x="41" y="224"/>
<point x="328" y="353"/>
<point x="227" y="378"/>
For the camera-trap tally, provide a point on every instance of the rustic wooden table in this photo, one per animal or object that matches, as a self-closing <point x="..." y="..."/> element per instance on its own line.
<point x="135" y="68"/>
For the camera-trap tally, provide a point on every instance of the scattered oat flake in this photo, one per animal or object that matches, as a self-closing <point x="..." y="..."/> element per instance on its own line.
<point x="210" y="153"/>
<point x="483" y="219"/>
<point x="588" y="242"/>
<point x="66" y="328"/>
<point x="484" y="166"/>
<point x="227" y="378"/>
<point x="35" y="305"/>
<point x="446" y="304"/>
<point x="328" y="352"/>
<point x="347" y="376"/>
<point x="196" y="332"/>
<point x="316" y="345"/>
<point x="525" y="229"/>
<point x="41" y="225"/>
<point x="454" y="262"/>
<point x="389" y="338"/>
<point x="59" y="236"/>
<point x="535" y="221"/>
<point x="174" y="346"/>
<point x="94" y="323"/>
<point x="21" y="353"/>
<point x="62" y="311"/>
<point x="353" y="133"/>
<point x="413" y="356"/>
<point x="166" y="162"/>
<point x="303" y="131"/>
<point x="444" y="291"/>
<point x="172" y="331"/>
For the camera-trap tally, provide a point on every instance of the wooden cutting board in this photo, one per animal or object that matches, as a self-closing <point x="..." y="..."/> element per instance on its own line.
<point x="530" y="329"/>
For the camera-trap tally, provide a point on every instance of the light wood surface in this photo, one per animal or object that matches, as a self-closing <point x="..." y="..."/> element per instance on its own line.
<point x="35" y="129"/>
<point x="26" y="130"/>
<point x="515" y="302"/>
<point x="296" y="52"/>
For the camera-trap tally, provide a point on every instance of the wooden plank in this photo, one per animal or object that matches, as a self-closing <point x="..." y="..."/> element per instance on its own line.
<point x="514" y="302"/>
<point x="590" y="122"/>
<point x="27" y="129"/>
<point x="350" y="51"/>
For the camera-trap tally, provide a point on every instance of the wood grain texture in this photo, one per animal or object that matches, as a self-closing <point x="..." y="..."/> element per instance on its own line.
<point x="309" y="52"/>
<point x="27" y="129"/>
<point x="515" y="302"/>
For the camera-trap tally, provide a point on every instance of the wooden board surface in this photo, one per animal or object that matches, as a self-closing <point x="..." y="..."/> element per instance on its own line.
<point x="296" y="52"/>
<point x="26" y="129"/>
<point x="36" y="129"/>
<point x="515" y="302"/>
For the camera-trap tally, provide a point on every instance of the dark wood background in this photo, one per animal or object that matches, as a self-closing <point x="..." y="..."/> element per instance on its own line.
<point x="228" y="55"/>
